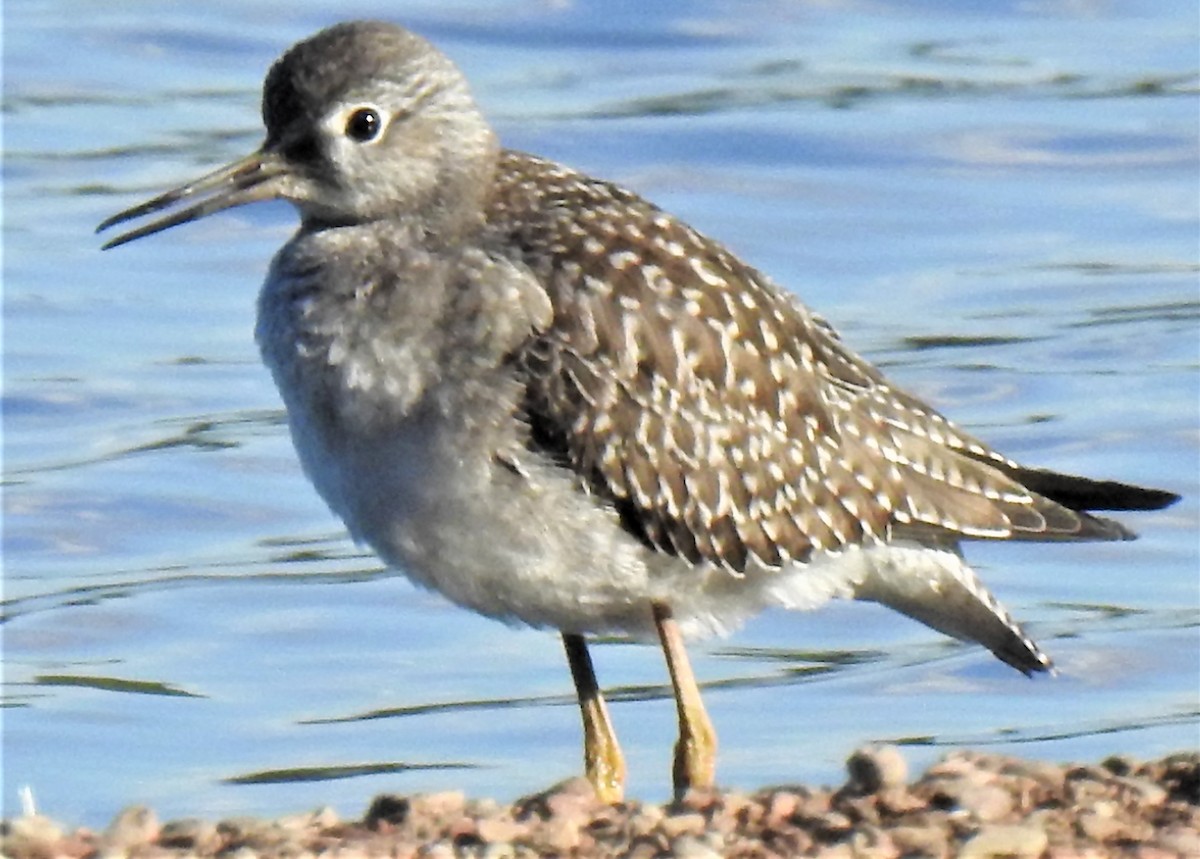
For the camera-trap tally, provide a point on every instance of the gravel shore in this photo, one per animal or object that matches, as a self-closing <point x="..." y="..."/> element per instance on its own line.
<point x="968" y="805"/>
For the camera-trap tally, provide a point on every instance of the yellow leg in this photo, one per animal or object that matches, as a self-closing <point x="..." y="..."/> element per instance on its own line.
<point x="603" y="763"/>
<point x="696" y="750"/>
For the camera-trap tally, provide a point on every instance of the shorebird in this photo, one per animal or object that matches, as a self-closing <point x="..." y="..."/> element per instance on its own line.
<point x="556" y="404"/>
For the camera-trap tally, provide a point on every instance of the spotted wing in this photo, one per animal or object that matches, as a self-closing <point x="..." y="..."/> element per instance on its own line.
<point x="722" y="419"/>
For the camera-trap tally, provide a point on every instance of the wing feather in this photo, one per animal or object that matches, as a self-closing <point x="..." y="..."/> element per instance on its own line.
<point x="726" y="422"/>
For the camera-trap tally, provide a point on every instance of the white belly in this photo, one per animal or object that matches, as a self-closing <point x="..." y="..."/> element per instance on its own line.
<point x="532" y="547"/>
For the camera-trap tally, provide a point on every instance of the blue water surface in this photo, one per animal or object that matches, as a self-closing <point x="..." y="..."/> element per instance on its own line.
<point x="996" y="201"/>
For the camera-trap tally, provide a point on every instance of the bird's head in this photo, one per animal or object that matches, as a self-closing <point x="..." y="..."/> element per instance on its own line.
<point x="365" y="121"/>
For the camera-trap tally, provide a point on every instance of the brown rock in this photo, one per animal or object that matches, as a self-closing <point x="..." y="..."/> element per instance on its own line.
<point x="930" y="840"/>
<point x="1142" y="790"/>
<point x="132" y="827"/>
<point x="692" y="847"/>
<point x="685" y="823"/>
<point x="987" y="803"/>
<point x="780" y="807"/>
<point x="444" y="805"/>
<point x="31" y="835"/>
<point x="1179" y="840"/>
<point x="869" y="842"/>
<point x="498" y="829"/>
<point x="1097" y="826"/>
<point x="387" y="811"/>
<point x="996" y="840"/>
<point x="190" y="834"/>
<point x="873" y="768"/>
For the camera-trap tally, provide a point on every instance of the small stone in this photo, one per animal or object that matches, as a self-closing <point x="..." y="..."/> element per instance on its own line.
<point x="735" y="810"/>
<point x="443" y="805"/>
<point x="895" y="801"/>
<point x="437" y="850"/>
<point x="987" y="803"/>
<point x="1179" y="840"/>
<point x="29" y="835"/>
<point x="495" y="830"/>
<point x="1119" y="764"/>
<point x="559" y="834"/>
<point x="691" y="847"/>
<point x="240" y="831"/>
<point x="869" y="842"/>
<point x="386" y="811"/>
<point x="567" y="797"/>
<point x="242" y="853"/>
<point x="833" y="824"/>
<point x="481" y="808"/>
<point x="645" y="820"/>
<point x="687" y="823"/>
<point x="873" y="768"/>
<point x="1097" y="827"/>
<point x="703" y="800"/>
<point x="131" y="827"/>
<point x="310" y="821"/>
<point x="780" y="807"/>
<point x="325" y="817"/>
<point x="193" y="834"/>
<point x="919" y="840"/>
<point x="1144" y="791"/>
<point x="499" y="850"/>
<point x="644" y="848"/>
<point x="956" y="764"/>
<point x="1106" y="808"/>
<point x="996" y="840"/>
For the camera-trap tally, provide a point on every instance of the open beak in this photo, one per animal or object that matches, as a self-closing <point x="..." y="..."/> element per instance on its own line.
<point x="248" y="180"/>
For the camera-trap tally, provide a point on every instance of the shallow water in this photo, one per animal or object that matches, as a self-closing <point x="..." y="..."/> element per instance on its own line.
<point x="997" y="202"/>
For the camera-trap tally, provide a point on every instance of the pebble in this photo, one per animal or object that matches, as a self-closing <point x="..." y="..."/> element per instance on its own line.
<point x="920" y="840"/>
<point x="191" y="834"/>
<point x="1005" y="841"/>
<point x="499" y="850"/>
<point x="973" y="805"/>
<point x="1179" y="840"/>
<point x="645" y="819"/>
<point x="780" y="807"/>
<point x="1097" y="826"/>
<point x="386" y="811"/>
<point x="687" y="823"/>
<point x="874" y="768"/>
<point x="29" y="835"/>
<point x="498" y="829"/>
<point x="692" y="847"/>
<point x="131" y="827"/>
<point x="870" y="842"/>
<point x="1145" y="791"/>
<point x="644" y="848"/>
<point x="985" y="802"/>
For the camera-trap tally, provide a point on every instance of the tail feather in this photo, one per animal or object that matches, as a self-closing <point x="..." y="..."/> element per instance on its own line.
<point x="937" y="588"/>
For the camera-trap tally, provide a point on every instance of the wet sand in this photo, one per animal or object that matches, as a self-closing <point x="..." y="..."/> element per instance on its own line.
<point x="969" y="804"/>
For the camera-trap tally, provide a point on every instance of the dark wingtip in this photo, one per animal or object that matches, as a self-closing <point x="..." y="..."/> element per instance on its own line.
<point x="1159" y="498"/>
<point x="1083" y="493"/>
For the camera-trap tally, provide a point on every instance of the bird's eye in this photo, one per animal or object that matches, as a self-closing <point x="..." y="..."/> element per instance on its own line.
<point x="364" y="125"/>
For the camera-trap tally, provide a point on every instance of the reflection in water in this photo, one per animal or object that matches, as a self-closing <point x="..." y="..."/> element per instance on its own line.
<point x="1000" y="736"/>
<point x="333" y="773"/>
<point x="113" y="684"/>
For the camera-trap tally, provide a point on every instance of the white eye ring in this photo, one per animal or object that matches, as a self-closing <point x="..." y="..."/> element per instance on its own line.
<point x="365" y="124"/>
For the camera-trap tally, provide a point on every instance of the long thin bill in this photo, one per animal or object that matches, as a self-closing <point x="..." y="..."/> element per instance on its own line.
<point x="247" y="180"/>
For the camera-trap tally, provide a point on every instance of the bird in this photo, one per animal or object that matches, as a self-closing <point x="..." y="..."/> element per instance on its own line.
<point x="556" y="404"/>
